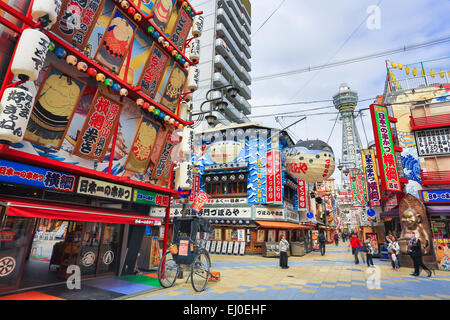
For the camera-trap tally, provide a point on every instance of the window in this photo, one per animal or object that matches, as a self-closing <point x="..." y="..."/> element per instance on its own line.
<point x="289" y="194"/>
<point x="222" y="185"/>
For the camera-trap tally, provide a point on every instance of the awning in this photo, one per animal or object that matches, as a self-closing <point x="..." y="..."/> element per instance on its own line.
<point x="393" y="213"/>
<point x="36" y="209"/>
<point x="438" y="210"/>
<point x="280" y="225"/>
<point x="312" y="221"/>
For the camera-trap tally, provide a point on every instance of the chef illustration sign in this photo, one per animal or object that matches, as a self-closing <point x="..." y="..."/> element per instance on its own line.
<point x="200" y="201"/>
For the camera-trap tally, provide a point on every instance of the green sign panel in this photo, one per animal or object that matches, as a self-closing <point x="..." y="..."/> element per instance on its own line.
<point x="150" y="198"/>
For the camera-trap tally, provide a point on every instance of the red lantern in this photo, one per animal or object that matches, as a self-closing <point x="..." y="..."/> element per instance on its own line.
<point x="92" y="72"/>
<point x="146" y="105"/>
<point x="131" y="11"/>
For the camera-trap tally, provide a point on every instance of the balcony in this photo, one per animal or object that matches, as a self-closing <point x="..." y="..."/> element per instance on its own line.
<point x="435" y="177"/>
<point x="431" y="121"/>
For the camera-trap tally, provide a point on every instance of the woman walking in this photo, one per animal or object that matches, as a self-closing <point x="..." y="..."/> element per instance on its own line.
<point x="356" y="245"/>
<point x="415" y="249"/>
<point x="394" y="251"/>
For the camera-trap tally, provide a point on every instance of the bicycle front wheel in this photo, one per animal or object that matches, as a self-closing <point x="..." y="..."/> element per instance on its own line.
<point x="200" y="270"/>
<point x="167" y="271"/>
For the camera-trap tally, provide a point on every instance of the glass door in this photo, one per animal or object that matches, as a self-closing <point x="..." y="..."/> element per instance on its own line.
<point x="90" y="247"/>
<point x="109" y="249"/>
<point x="14" y="240"/>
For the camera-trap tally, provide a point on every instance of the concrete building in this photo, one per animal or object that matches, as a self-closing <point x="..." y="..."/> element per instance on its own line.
<point x="225" y="60"/>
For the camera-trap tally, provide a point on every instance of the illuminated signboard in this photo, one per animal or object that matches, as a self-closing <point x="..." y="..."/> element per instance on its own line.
<point x="370" y="173"/>
<point x="385" y="148"/>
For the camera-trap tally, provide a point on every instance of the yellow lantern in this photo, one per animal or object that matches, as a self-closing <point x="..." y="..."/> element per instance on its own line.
<point x="414" y="72"/>
<point x="393" y="65"/>
<point x="432" y="73"/>
<point x="407" y="70"/>
<point x="441" y="73"/>
<point x="400" y="66"/>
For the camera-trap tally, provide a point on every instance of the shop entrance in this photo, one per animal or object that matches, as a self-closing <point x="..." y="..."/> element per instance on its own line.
<point x="47" y="247"/>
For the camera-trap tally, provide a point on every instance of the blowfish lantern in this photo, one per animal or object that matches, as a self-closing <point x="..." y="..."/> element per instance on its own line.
<point x="311" y="161"/>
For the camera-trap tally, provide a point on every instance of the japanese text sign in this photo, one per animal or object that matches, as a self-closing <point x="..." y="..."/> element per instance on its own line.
<point x="103" y="189"/>
<point x="370" y="173"/>
<point x="200" y="201"/>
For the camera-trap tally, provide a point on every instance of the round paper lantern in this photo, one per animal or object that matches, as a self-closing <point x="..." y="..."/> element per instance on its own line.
<point x="161" y="115"/>
<point x="170" y="48"/>
<point x="51" y="46"/>
<point x="131" y="11"/>
<point x="174" y="53"/>
<point x="60" y="53"/>
<point x="156" y="112"/>
<point x="15" y="110"/>
<point x="183" y="110"/>
<point x="100" y="77"/>
<point x="150" y="29"/>
<point x="166" y="118"/>
<point x="171" y="121"/>
<point x="92" y="72"/>
<point x="176" y="123"/>
<point x="109" y="82"/>
<point x="194" y="50"/>
<point x="161" y="40"/>
<point x="180" y="126"/>
<point x="70" y="59"/>
<point x="139" y="102"/>
<point x="151" y="108"/>
<point x="46" y="8"/>
<point x="116" y="87"/>
<point x="145" y="105"/>
<point x="166" y="44"/>
<point x="156" y="35"/>
<point x="30" y="54"/>
<point x="311" y="161"/>
<point x="125" y="5"/>
<point x="123" y="92"/>
<point x="193" y="78"/>
<point x="82" y="66"/>
<point x="197" y="26"/>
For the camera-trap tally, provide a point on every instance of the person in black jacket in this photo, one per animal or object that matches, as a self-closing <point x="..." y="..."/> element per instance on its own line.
<point x="322" y="241"/>
<point x="415" y="249"/>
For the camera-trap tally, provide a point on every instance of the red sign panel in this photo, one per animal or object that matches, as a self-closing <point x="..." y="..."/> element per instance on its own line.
<point x="270" y="178"/>
<point x="277" y="172"/>
<point x="200" y="201"/>
<point x="195" y="187"/>
<point x="302" y="194"/>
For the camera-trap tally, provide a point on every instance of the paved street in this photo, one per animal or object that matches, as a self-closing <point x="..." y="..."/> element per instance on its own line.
<point x="313" y="277"/>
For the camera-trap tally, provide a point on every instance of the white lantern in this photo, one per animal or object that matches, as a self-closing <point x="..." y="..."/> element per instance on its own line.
<point x="194" y="52"/>
<point x="187" y="143"/>
<point x="15" y="110"/>
<point x="183" y="176"/>
<point x="197" y="26"/>
<point x="193" y="78"/>
<point x="46" y="9"/>
<point x="183" y="110"/>
<point x="30" y="54"/>
<point x="311" y="161"/>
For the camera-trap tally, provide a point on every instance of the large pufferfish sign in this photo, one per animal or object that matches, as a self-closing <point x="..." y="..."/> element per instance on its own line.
<point x="311" y="161"/>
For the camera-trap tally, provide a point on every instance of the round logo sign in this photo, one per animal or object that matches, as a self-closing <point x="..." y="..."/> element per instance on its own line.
<point x="370" y="212"/>
<point x="108" y="257"/>
<point x="88" y="259"/>
<point x="7" y="265"/>
<point x="310" y="215"/>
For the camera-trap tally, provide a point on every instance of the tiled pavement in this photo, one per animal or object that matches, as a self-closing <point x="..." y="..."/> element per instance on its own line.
<point x="311" y="277"/>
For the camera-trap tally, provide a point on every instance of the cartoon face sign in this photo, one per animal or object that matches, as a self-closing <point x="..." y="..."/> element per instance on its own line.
<point x="226" y="151"/>
<point x="162" y="12"/>
<point x="70" y="20"/>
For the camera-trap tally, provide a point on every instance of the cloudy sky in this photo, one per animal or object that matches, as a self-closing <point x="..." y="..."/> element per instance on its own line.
<point x="310" y="33"/>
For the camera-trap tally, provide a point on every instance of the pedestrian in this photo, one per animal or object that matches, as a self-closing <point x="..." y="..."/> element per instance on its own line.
<point x="394" y="251"/>
<point x="336" y="238"/>
<point x="343" y="237"/>
<point x="356" y="246"/>
<point x="415" y="250"/>
<point x="322" y="241"/>
<point x="369" y="253"/>
<point x="284" y="246"/>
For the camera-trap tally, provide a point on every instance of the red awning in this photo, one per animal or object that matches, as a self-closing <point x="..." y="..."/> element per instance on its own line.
<point x="35" y="209"/>
<point x="280" y="225"/>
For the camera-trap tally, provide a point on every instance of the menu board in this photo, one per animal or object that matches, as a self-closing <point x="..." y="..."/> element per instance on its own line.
<point x="224" y="247"/>
<point x="230" y="247"/>
<point x="218" y="246"/>
<point x="213" y="246"/>
<point x="208" y="245"/>
<point x="433" y="142"/>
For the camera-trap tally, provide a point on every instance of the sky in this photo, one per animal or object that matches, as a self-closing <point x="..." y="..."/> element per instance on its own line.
<point x="310" y="33"/>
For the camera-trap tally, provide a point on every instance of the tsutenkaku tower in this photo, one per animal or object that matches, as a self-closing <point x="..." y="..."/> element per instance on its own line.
<point x="345" y="101"/>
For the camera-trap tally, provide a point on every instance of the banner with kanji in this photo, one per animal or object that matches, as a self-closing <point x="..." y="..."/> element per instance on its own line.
<point x="390" y="180"/>
<point x="98" y="129"/>
<point x="358" y="187"/>
<point x="370" y="173"/>
<point x="200" y="201"/>
<point x="302" y="191"/>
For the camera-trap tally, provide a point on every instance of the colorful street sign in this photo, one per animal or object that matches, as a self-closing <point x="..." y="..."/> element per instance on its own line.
<point x="385" y="148"/>
<point x="151" y="198"/>
<point x="19" y="173"/>
<point x="370" y="173"/>
<point x="435" y="196"/>
<point x="358" y="187"/>
<point x="302" y="194"/>
<point x="200" y="201"/>
<point x="103" y="189"/>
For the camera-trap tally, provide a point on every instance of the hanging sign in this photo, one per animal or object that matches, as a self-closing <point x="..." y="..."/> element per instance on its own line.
<point x="181" y="30"/>
<point x="47" y="10"/>
<point x="153" y="70"/>
<point x="358" y="187"/>
<point x="18" y="173"/>
<point x="435" y="196"/>
<point x="433" y="142"/>
<point x="200" y="201"/>
<point x="150" y="198"/>
<point x="98" y="129"/>
<point x="103" y="189"/>
<point x="385" y="148"/>
<point x="195" y="187"/>
<point x="76" y="20"/>
<point x="370" y="173"/>
<point x="269" y="214"/>
<point x="172" y="92"/>
<point x="161" y="169"/>
<point x="15" y="110"/>
<point x="197" y="26"/>
<point x="302" y="192"/>
<point x="194" y="50"/>
<point x="183" y="176"/>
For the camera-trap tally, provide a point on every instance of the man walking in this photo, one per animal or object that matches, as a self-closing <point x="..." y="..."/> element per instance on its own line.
<point x="284" y="246"/>
<point x="336" y="239"/>
<point x="415" y="249"/>
<point x="356" y="245"/>
<point x="322" y="241"/>
<point x="369" y="253"/>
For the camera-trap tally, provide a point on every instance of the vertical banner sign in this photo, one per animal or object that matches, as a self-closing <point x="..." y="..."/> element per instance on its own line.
<point x="195" y="188"/>
<point x="385" y="148"/>
<point x="98" y="128"/>
<point x="302" y="186"/>
<point x="270" y="178"/>
<point x="153" y="70"/>
<point x="278" y="178"/>
<point x="76" y="20"/>
<point x="370" y="173"/>
<point x="200" y="201"/>
<point x="358" y="187"/>
<point x="181" y="30"/>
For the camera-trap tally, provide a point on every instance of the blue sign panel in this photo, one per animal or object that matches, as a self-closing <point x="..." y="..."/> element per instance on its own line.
<point x="19" y="173"/>
<point x="436" y="196"/>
